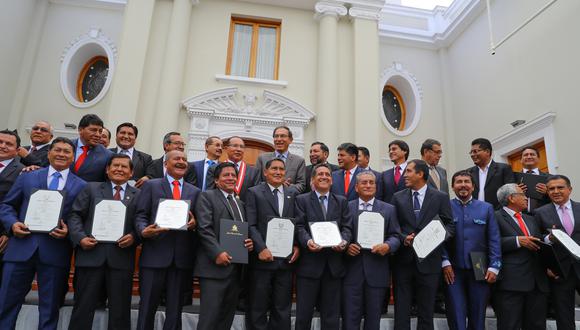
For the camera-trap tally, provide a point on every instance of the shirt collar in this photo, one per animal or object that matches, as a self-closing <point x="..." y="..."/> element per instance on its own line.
<point x="171" y="179"/>
<point x="510" y="211"/>
<point x="460" y="202"/>
<point x="7" y="161"/>
<point x="403" y="166"/>
<point x="284" y="154"/>
<point x="123" y="186"/>
<point x="486" y="166"/>
<point x="319" y="194"/>
<point x="38" y="147"/>
<point x="567" y="205"/>
<point x="63" y="173"/>
<point x="421" y="191"/>
<point x="280" y="189"/>
<point x="534" y="170"/>
<point x="130" y="150"/>
<point x="227" y="194"/>
<point x="237" y="164"/>
<point x="352" y="170"/>
<point x="371" y="202"/>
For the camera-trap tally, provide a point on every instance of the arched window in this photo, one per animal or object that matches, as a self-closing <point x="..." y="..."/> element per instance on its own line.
<point x="394" y="107"/>
<point x="92" y="78"/>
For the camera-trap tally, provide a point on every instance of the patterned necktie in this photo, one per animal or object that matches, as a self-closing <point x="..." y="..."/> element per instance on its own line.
<point x="235" y="210"/>
<point x="81" y="158"/>
<point x="435" y="176"/>
<point x="176" y="192"/>
<point x="346" y="181"/>
<point x="518" y="216"/>
<point x="322" y="199"/>
<point x="567" y="220"/>
<point x="397" y="174"/>
<point x="54" y="182"/>
<point x="416" y="204"/>
<point x="117" y="195"/>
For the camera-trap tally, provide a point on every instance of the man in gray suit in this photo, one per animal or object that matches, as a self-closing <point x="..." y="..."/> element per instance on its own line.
<point x="295" y="166"/>
<point x="431" y="152"/>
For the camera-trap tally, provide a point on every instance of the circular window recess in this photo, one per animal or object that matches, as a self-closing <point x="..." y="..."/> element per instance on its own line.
<point x="400" y="100"/>
<point x="87" y="69"/>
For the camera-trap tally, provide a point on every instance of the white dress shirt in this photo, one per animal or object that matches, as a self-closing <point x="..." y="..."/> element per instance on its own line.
<point x="482" y="178"/>
<point x="280" y="196"/>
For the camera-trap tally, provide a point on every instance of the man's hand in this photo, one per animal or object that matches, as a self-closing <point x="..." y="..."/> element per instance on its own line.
<point x="295" y="254"/>
<point x="529" y="242"/>
<point x="126" y="241"/>
<point x="490" y="277"/>
<point x="59" y="232"/>
<point x="191" y="224"/>
<point x="353" y="250"/>
<point x="266" y="255"/>
<point x="523" y="187"/>
<point x="20" y="230"/>
<point x="409" y="239"/>
<point x="22" y="152"/>
<point x="30" y="168"/>
<point x="551" y="274"/>
<point x="313" y="247"/>
<point x="88" y="243"/>
<point x="381" y="249"/>
<point x="223" y="259"/>
<point x="542" y="188"/>
<point x="249" y="244"/>
<point x="340" y="247"/>
<point x="3" y="243"/>
<point x="141" y="181"/>
<point x="448" y="275"/>
<point x="287" y="182"/>
<point x="153" y="231"/>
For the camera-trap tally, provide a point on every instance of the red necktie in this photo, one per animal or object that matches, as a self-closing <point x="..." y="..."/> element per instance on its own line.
<point x="397" y="174"/>
<point x="82" y="158"/>
<point x="176" y="193"/>
<point x="346" y="181"/>
<point x="117" y="195"/>
<point x="1" y="165"/>
<point x="518" y="216"/>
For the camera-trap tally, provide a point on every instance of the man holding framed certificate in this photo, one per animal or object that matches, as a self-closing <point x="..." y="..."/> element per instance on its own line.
<point x="166" y="263"/>
<point x="321" y="216"/>
<point x="376" y="235"/>
<point x="45" y="254"/>
<point x="270" y="213"/>
<point x="101" y="229"/>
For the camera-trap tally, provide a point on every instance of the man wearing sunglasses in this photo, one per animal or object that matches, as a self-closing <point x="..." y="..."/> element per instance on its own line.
<point x="37" y="152"/>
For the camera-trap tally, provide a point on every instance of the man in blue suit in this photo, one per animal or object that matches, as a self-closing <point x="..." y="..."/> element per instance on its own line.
<point x="476" y="230"/>
<point x="167" y="256"/>
<point x="90" y="159"/>
<point x="213" y="150"/>
<point x="344" y="180"/>
<point x="367" y="279"/>
<point x="392" y="179"/>
<point x="320" y="270"/>
<point x="46" y="255"/>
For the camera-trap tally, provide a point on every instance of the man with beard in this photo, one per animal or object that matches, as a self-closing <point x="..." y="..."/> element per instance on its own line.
<point x="36" y="153"/>
<point x="318" y="155"/>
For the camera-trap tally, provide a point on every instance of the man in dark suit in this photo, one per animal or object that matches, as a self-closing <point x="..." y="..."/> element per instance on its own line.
<point x="90" y="156"/>
<point x="431" y="152"/>
<point x="104" y="266"/>
<point x="476" y="231"/>
<point x="36" y="153"/>
<point x="46" y="255"/>
<point x="219" y="279"/>
<point x="295" y="166"/>
<point x="367" y="279"/>
<point x="270" y="286"/>
<point x="320" y="269"/>
<point x="344" y="180"/>
<point x="364" y="158"/>
<point x="522" y="288"/>
<point x="564" y="214"/>
<point x="125" y="138"/>
<point x="156" y="169"/>
<point x="318" y="155"/>
<point x="105" y="137"/>
<point x="167" y="256"/>
<point x="392" y="179"/>
<point x="213" y="151"/>
<point x="488" y="174"/>
<point x="530" y="161"/>
<point x="417" y="206"/>
<point x="247" y="176"/>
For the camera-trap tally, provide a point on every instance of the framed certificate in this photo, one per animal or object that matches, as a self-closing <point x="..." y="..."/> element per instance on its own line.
<point x="325" y="233"/>
<point x="280" y="237"/>
<point x="371" y="229"/>
<point x="428" y="239"/>
<point x="567" y="242"/>
<point x="108" y="220"/>
<point x="44" y="210"/>
<point x="232" y="237"/>
<point x="173" y="214"/>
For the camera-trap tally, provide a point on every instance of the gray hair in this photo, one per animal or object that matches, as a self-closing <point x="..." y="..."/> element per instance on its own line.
<point x="366" y="172"/>
<point x="505" y="191"/>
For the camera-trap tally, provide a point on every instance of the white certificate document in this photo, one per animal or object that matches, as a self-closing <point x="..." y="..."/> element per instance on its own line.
<point x="43" y="212"/>
<point x="567" y="241"/>
<point x="325" y="233"/>
<point x="109" y="220"/>
<point x="371" y="229"/>
<point x="280" y="237"/>
<point x="429" y="238"/>
<point x="172" y="214"/>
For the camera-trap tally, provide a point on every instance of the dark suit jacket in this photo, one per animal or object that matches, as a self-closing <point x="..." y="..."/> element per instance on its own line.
<point x="312" y="264"/>
<point x="93" y="168"/>
<point x="260" y="208"/>
<point x="80" y="223"/>
<point x="443" y="178"/>
<point x="435" y="203"/>
<point x="338" y="184"/>
<point x="498" y="174"/>
<point x="251" y="179"/>
<point x="547" y="217"/>
<point x="155" y="171"/>
<point x="308" y="174"/>
<point x="140" y="161"/>
<point x="522" y="270"/>
<point x="51" y="251"/>
<point x="198" y="169"/>
<point x="536" y="203"/>
<point x="367" y="266"/>
<point x="175" y="247"/>
<point x="295" y="169"/>
<point x="211" y="207"/>
<point x="388" y="186"/>
<point x="9" y="176"/>
<point x="38" y="158"/>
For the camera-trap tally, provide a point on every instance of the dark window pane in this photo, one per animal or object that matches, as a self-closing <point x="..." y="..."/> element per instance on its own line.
<point x="94" y="79"/>
<point x="392" y="107"/>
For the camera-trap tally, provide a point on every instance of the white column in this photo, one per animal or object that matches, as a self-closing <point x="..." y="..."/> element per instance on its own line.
<point x="126" y="87"/>
<point x="450" y="148"/>
<point x="169" y="97"/>
<point x="328" y="13"/>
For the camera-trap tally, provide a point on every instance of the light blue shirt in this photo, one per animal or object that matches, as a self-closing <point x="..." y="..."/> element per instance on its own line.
<point x="79" y="150"/>
<point x="170" y="180"/>
<point x="61" y="180"/>
<point x="325" y="201"/>
<point x="283" y="156"/>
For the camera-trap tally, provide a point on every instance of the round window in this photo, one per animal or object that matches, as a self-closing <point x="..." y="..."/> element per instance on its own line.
<point x="394" y="108"/>
<point x="92" y="78"/>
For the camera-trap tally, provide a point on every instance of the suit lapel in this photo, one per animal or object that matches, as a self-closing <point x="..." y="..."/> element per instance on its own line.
<point x="287" y="201"/>
<point x="409" y="207"/>
<point x="490" y="172"/>
<point x="352" y="182"/>
<point x="507" y="218"/>
<point x="166" y="188"/>
<point x="43" y="178"/>
<point x="576" y="215"/>
<point x="270" y="197"/>
<point x="221" y="197"/>
<point x="10" y="168"/>
<point x="316" y="205"/>
<point x="107" y="190"/>
<point x="425" y="206"/>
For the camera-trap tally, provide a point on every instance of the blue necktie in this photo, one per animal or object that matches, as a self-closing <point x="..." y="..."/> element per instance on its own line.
<point x="54" y="182"/>
<point x="416" y="204"/>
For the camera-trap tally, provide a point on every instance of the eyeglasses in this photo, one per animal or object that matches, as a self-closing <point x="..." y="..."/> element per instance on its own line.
<point x="42" y="129"/>
<point x="179" y="144"/>
<point x="475" y="151"/>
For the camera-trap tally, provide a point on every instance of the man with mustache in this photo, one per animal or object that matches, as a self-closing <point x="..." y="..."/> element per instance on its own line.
<point x="166" y="264"/>
<point x="156" y="169"/>
<point x="318" y="155"/>
<point x="36" y="153"/>
<point x="46" y="255"/>
<point x="126" y="138"/>
<point x="91" y="156"/>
